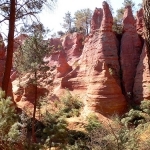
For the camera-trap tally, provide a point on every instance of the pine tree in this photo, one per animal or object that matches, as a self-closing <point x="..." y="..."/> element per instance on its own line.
<point x="31" y="55"/>
<point x="68" y="20"/>
<point x="83" y="19"/>
<point x="13" y="11"/>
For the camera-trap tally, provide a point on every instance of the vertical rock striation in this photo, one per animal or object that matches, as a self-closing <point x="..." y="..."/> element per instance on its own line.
<point x="96" y="19"/>
<point x="141" y="88"/>
<point x="100" y="55"/>
<point x="131" y="47"/>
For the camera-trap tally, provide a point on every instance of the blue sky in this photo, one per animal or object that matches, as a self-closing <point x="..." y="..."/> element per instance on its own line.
<point x="53" y="19"/>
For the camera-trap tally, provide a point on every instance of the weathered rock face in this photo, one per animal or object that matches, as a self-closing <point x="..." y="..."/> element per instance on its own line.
<point x="107" y="19"/>
<point x="2" y="59"/>
<point x="63" y="67"/>
<point x="91" y="67"/>
<point x="141" y="88"/>
<point x="96" y="19"/>
<point x="104" y="94"/>
<point x="140" y="22"/>
<point x="73" y="45"/>
<point x="19" y="40"/>
<point x="97" y="74"/>
<point x="131" y="47"/>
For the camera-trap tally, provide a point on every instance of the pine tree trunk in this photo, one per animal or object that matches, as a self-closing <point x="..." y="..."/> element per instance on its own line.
<point x="8" y="65"/>
<point x="146" y="8"/>
<point x="34" y="110"/>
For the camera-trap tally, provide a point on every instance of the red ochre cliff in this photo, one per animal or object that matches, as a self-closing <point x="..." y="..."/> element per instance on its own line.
<point x="105" y="75"/>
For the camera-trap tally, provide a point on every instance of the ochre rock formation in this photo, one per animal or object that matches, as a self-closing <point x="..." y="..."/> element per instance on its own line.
<point x="97" y="73"/>
<point x="107" y="19"/>
<point x="97" y="67"/>
<point x="73" y="45"/>
<point x="63" y="67"/>
<point x="141" y="88"/>
<point x="96" y="19"/>
<point x="140" y="22"/>
<point x="104" y="93"/>
<point x="19" y="40"/>
<point x="131" y="47"/>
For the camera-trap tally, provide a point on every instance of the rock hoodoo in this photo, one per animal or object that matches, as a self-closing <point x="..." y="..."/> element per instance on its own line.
<point x="141" y="88"/>
<point x="96" y="19"/>
<point x="103" y="71"/>
<point x="131" y="47"/>
<point x="104" y="93"/>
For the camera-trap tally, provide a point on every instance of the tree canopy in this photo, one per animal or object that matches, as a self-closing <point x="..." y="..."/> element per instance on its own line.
<point x="11" y="12"/>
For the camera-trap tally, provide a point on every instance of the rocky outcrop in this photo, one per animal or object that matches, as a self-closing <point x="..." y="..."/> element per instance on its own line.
<point x="104" y="93"/>
<point x="73" y="45"/>
<point x="96" y="67"/>
<point x="97" y="74"/>
<point x="19" y="40"/>
<point x="63" y="67"/>
<point x="131" y="47"/>
<point x="107" y="19"/>
<point x="140" y="22"/>
<point x="141" y="88"/>
<point x="96" y="19"/>
<point x="2" y="59"/>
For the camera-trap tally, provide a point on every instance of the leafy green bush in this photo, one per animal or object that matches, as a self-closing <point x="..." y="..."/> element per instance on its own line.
<point x="55" y="130"/>
<point x="71" y="105"/>
<point x="93" y="123"/>
<point x="9" y="133"/>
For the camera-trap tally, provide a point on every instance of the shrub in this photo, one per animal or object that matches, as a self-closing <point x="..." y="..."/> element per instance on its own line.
<point x="55" y="131"/>
<point x="93" y="123"/>
<point x="9" y="133"/>
<point x="71" y="105"/>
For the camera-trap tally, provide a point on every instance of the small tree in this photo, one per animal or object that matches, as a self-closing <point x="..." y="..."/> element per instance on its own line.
<point x="68" y="19"/>
<point x="30" y="56"/>
<point x="83" y="19"/>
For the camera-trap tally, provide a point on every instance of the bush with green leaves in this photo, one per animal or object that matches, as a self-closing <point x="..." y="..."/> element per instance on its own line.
<point x="9" y="132"/>
<point x="93" y="123"/>
<point x="71" y="105"/>
<point x="55" y="131"/>
<point x="137" y="116"/>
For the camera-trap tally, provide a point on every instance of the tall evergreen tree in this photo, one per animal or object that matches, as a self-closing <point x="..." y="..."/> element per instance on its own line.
<point x="29" y="58"/>
<point x="68" y="19"/>
<point x="13" y="11"/>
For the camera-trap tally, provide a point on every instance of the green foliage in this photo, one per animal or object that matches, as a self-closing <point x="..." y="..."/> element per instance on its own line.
<point x="93" y="123"/>
<point x="55" y="128"/>
<point x="68" y="19"/>
<point x="83" y="19"/>
<point x="8" y="133"/>
<point x="29" y="57"/>
<point x="137" y="116"/>
<point x="71" y="105"/>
